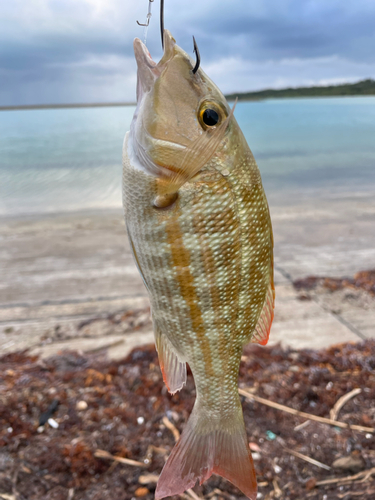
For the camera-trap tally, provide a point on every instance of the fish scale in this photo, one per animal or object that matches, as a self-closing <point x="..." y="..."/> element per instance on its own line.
<point x="199" y="227"/>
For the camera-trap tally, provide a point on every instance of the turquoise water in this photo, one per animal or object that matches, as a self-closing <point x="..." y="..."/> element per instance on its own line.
<point x="70" y="159"/>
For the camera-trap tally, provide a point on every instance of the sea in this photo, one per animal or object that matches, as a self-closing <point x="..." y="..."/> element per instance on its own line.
<point x="66" y="160"/>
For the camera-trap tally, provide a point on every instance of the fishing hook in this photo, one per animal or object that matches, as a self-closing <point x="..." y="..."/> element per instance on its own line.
<point x="162" y="22"/>
<point x="148" y="16"/>
<point x="198" y="57"/>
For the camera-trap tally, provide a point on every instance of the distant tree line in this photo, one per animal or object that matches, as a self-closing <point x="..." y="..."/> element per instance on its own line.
<point x="364" y="87"/>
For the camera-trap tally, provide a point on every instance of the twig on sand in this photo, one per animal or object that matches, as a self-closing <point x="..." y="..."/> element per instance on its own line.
<point x="361" y="477"/>
<point x="309" y="416"/>
<point x="193" y="495"/>
<point x="334" y="413"/>
<point x="216" y="491"/>
<point x="157" y="449"/>
<point x="276" y="488"/>
<point x="349" y="494"/>
<point x="308" y="459"/>
<point x="127" y="461"/>
<point x="148" y="479"/>
<point x="168" y="424"/>
<point x="304" y="424"/>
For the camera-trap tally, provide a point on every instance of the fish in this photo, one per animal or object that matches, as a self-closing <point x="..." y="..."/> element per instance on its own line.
<point x="199" y="228"/>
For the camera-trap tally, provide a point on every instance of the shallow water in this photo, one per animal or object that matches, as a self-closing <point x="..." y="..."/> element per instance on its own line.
<point x="70" y="159"/>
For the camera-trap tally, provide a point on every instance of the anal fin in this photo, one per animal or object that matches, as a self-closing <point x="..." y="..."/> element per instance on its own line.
<point x="173" y="370"/>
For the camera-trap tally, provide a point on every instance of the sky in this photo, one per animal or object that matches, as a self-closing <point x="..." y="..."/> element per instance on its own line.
<point x="80" y="51"/>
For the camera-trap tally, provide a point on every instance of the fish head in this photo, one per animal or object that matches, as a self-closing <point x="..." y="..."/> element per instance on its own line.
<point x="181" y="116"/>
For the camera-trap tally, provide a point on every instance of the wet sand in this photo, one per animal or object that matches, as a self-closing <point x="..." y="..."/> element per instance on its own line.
<point x="60" y="270"/>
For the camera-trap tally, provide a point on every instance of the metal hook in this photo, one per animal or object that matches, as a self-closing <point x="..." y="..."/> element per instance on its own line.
<point x="198" y="56"/>
<point x="162" y="22"/>
<point x="148" y="15"/>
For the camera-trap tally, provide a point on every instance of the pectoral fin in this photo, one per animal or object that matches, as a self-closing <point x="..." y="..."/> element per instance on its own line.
<point x="135" y="256"/>
<point x="173" y="370"/>
<point x="263" y="327"/>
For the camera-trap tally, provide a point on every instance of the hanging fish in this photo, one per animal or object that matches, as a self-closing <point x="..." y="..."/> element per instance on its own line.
<point x="199" y="227"/>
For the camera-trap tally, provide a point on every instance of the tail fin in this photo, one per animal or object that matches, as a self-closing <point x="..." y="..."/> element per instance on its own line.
<point x="209" y="446"/>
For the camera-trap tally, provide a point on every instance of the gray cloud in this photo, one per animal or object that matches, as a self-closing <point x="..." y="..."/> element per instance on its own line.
<point x="81" y="50"/>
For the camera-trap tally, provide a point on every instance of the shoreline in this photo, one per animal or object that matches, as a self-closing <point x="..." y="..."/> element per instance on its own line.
<point x="59" y="270"/>
<point x="230" y="98"/>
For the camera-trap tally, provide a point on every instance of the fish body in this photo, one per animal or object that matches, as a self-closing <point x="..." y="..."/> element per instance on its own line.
<point x="199" y="227"/>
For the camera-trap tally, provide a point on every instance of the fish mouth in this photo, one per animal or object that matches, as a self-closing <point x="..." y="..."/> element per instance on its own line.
<point x="148" y="69"/>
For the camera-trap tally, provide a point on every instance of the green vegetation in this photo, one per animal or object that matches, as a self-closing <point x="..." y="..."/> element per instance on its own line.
<point x="364" y="87"/>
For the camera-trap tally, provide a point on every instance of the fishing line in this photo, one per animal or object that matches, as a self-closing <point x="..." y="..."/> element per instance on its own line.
<point x="146" y="24"/>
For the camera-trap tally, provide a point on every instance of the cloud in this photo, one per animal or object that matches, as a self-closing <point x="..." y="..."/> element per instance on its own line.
<point x="257" y="75"/>
<point x="74" y="50"/>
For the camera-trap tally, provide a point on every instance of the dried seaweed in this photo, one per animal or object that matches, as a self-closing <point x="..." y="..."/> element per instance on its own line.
<point x="115" y="414"/>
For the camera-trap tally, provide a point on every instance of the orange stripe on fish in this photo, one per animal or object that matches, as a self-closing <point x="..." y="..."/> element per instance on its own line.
<point x="181" y="260"/>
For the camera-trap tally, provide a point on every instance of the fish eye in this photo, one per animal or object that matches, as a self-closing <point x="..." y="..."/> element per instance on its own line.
<point x="210" y="114"/>
<point x="210" y="117"/>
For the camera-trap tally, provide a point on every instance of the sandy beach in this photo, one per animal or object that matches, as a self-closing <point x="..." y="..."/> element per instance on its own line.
<point x="62" y="271"/>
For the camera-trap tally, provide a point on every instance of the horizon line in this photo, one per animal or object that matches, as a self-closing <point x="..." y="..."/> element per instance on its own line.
<point x="69" y="105"/>
<point x="256" y="94"/>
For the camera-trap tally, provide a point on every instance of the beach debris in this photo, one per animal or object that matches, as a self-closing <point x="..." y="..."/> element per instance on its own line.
<point x="308" y="459"/>
<point x="148" y="479"/>
<point x="53" y="423"/>
<point x="110" y="447"/>
<point x="254" y="447"/>
<point x="122" y="460"/>
<point x="141" y="492"/>
<point x="304" y="424"/>
<point x="311" y="483"/>
<point x="303" y="414"/>
<point x="351" y="463"/>
<point x="191" y="494"/>
<point x="304" y="296"/>
<point x="130" y="320"/>
<point x="334" y="413"/>
<point x="270" y="435"/>
<point x="45" y="416"/>
<point x="277" y="490"/>
<point x="81" y="406"/>
<point x="168" y="424"/>
<point x="361" y="477"/>
<point x="364" y="280"/>
<point x="277" y="468"/>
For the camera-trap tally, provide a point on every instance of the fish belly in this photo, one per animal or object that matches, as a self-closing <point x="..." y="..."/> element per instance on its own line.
<point x="206" y="262"/>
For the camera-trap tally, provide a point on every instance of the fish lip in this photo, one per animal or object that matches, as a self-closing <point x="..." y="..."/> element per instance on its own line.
<point x="148" y="69"/>
<point x="142" y="55"/>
